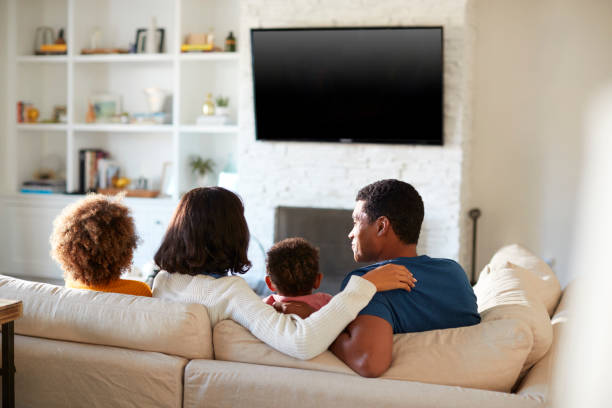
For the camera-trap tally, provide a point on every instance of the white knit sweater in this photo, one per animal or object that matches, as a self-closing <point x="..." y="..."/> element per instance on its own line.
<point x="232" y="298"/>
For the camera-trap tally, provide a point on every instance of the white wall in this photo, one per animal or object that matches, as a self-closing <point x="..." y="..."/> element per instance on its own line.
<point x="3" y="85"/>
<point x="536" y="67"/>
<point x="329" y="175"/>
<point x="583" y="367"/>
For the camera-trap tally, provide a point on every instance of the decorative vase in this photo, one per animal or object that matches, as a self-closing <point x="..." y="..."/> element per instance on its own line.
<point x="156" y="98"/>
<point x="208" y="108"/>
<point x="207" y="180"/>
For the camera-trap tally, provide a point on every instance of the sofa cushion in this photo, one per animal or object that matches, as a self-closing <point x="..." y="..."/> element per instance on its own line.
<point x="60" y="374"/>
<point x="223" y="384"/>
<point x="110" y="319"/>
<point x="506" y="293"/>
<point x="543" y="284"/>
<point x="486" y="356"/>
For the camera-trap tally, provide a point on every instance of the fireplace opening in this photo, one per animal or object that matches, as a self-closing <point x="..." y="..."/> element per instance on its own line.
<point x="328" y="230"/>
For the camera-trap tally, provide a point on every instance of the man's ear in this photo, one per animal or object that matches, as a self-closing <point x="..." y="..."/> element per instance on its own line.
<point x="382" y="226"/>
<point x="270" y="284"/>
<point x="317" y="281"/>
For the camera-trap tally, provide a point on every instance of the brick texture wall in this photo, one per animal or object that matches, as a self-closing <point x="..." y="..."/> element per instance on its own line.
<point x="329" y="175"/>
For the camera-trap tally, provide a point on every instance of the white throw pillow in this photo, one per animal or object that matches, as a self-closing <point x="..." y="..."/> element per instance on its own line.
<point x="507" y="293"/>
<point x="545" y="285"/>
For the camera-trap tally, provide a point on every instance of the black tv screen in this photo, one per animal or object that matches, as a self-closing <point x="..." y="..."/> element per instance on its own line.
<point x="371" y="84"/>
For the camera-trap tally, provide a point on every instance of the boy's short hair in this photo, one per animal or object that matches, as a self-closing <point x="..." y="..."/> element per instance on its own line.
<point x="93" y="240"/>
<point x="293" y="266"/>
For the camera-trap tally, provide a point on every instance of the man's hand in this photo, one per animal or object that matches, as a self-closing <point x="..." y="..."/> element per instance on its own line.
<point x="366" y="345"/>
<point x="299" y="308"/>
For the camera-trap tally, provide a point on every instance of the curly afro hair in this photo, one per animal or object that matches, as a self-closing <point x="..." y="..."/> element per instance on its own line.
<point x="293" y="266"/>
<point x="94" y="239"/>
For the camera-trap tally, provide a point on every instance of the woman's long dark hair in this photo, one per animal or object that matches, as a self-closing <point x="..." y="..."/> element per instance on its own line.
<point x="207" y="234"/>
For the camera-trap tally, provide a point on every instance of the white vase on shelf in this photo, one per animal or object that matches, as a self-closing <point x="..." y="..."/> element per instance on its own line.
<point x="207" y="180"/>
<point x="156" y="99"/>
<point x="150" y="44"/>
<point x="222" y="111"/>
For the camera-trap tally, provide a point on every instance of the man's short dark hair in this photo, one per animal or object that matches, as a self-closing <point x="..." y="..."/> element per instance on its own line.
<point x="293" y="266"/>
<point x="399" y="202"/>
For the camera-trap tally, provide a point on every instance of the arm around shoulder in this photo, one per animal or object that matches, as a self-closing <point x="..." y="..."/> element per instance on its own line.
<point x="301" y="338"/>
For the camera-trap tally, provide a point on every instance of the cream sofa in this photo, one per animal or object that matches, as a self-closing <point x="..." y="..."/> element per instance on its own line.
<point x="83" y="348"/>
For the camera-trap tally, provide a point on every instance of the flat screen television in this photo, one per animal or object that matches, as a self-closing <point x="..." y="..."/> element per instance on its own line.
<point x="363" y="85"/>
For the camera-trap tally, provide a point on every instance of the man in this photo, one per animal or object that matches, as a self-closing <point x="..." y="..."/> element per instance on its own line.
<point x="386" y="225"/>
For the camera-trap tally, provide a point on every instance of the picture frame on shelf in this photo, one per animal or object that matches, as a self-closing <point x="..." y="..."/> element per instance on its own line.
<point x="167" y="186"/>
<point x="141" y="39"/>
<point x="106" y="106"/>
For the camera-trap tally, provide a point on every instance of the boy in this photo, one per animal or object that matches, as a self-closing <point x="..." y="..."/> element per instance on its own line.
<point x="293" y="272"/>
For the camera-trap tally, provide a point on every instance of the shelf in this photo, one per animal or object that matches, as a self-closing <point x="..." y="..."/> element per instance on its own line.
<point x="42" y="58"/>
<point x="121" y="128"/>
<point x="123" y="58"/>
<point x="209" y="129"/>
<point x="209" y="56"/>
<point x="42" y="127"/>
<point x="62" y="199"/>
<point x="75" y="79"/>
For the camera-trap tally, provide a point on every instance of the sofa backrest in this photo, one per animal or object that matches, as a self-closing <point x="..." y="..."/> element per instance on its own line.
<point x="110" y="319"/>
<point x="487" y="356"/>
<point x="514" y="334"/>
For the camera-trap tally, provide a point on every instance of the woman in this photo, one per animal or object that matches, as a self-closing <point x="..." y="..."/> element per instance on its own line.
<point x="208" y="238"/>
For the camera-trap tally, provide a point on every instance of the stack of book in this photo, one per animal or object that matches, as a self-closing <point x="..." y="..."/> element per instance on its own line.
<point x="95" y="170"/>
<point x="48" y="186"/>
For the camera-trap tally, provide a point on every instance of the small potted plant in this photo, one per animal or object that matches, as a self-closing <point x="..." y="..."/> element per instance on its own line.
<point x="222" y="107"/>
<point x="203" y="170"/>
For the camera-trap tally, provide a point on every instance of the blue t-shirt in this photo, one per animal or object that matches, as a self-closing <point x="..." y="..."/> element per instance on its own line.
<point x="441" y="299"/>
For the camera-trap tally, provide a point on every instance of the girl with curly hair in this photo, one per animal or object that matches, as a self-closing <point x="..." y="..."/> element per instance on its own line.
<point x="93" y="240"/>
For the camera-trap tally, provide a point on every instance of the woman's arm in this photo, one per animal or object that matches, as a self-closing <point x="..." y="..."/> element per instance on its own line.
<point x="307" y="338"/>
<point x="299" y="338"/>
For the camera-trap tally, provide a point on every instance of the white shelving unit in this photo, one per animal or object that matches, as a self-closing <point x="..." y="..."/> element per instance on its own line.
<point x="73" y="79"/>
<point x="140" y="150"/>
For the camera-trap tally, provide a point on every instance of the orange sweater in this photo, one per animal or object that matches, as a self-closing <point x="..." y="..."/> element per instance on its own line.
<point x="125" y="286"/>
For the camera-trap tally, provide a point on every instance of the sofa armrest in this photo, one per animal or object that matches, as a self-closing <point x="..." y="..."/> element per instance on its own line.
<point x="537" y="382"/>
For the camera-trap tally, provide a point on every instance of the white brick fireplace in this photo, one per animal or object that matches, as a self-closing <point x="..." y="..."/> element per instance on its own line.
<point x="328" y="175"/>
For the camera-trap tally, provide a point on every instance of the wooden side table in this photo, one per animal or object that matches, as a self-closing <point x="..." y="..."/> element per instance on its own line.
<point x="9" y="311"/>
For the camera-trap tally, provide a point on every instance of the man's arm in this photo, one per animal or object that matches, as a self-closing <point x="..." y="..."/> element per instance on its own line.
<point x="366" y="345"/>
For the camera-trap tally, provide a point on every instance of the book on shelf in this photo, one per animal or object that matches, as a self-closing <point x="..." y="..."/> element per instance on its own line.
<point x="48" y="186"/>
<point x="107" y="170"/>
<point x="89" y="178"/>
